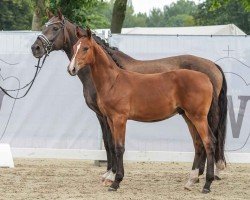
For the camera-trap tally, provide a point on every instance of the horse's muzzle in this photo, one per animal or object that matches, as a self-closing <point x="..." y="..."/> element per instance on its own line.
<point x="37" y="51"/>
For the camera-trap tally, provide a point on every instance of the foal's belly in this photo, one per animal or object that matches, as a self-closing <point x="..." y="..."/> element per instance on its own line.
<point x="152" y="118"/>
<point x="150" y="111"/>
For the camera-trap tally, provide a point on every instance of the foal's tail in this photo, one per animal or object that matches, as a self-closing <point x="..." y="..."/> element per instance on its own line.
<point x="221" y="130"/>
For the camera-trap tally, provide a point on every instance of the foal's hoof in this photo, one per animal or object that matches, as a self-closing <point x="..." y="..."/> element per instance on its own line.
<point x="114" y="187"/>
<point x="205" y="191"/>
<point x="190" y="184"/>
<point x="217" y="178"/>
<point x="107" y="183"/>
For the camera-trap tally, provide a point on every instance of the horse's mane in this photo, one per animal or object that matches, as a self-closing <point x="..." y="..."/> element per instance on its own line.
<point x="104" y="45"/>
<point x="107" y="48"/>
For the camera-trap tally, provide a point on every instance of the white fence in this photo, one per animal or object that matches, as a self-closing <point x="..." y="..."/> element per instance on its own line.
<point x="54" y="121"/>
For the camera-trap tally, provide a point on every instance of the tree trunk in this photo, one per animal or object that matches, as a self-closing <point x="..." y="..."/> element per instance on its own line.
<point x="118" y="16"/>
<point x="39" y="13"/>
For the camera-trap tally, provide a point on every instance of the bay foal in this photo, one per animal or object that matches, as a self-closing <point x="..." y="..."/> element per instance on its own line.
<point x="124" y="95"/>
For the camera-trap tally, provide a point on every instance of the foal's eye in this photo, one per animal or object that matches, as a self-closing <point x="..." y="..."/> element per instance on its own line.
<point x="55" y="28"/>
<point x="85" y="48"/>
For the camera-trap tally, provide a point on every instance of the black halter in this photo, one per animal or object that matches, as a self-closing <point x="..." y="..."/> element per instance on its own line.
<point x="48" y="44"/>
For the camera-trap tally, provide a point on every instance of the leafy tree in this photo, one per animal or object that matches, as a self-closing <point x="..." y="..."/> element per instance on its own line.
<point x="15" y="15"/>
<point x="82" y="12"/>
<point x="232" y="12"/>
<point x="134" y="20"/>
<point x="181" y="20"/>
<point x="181" y="7"/>
<point x="218" y="3"/>
<point x="180" y="13"/>
<point x="177" y="14"/>
<point x="156" y="18"/>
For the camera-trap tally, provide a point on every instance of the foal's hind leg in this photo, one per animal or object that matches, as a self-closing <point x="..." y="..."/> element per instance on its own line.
<point x="206" y="135"/>
<point x="198" y="163"/>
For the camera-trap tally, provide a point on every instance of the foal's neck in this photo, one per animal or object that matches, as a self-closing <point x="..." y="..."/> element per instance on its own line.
<point x="104" y="71"/>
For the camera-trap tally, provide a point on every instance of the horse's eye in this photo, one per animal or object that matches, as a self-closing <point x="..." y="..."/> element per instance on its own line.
<point x="85" y="48"/>
<point x="55" y="28"/>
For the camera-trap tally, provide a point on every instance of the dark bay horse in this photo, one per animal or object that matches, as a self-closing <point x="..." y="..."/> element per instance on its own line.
<point x="60" y="34"/>
<point x="124" y="95"/>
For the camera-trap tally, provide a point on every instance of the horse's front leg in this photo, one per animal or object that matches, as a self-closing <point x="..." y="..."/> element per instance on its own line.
<point x="110" y="174"/>
<point x="118" y="129"/>
<point x="103" y="124"/>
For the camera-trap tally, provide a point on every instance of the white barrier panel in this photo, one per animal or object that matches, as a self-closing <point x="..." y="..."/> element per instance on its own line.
<point x="6" y="159"/>
<point x="230" y="52"/>
<point x="163" y="156"/>
<point x="54" y="114"/>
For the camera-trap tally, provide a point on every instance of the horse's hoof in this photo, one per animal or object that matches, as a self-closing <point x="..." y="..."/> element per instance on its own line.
<point x="221" y="165"/>
<point x="107" y="183"/>
<point x="112" y="189"/>
<point x="205" y="191"/>
<point x="103" y="180"/>
<point x="114" y="186"/>
<point x="217" y="178"/>
<point x="104" y="176"/>
<point x="104" y="183"/>
<point x="188" y="188"/>
<point x="197" y="181"/>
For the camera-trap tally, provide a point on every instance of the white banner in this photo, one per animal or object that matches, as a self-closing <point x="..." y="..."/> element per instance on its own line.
<point x="232" y="53"/>
<point x="54" y="113"/>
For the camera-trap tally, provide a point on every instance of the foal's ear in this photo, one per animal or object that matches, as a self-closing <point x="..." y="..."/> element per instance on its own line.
<point x="59" y="12"/>
<point x="79" y="32"/>
<point x="88" y="32"/>
<point x="49" y="14"/>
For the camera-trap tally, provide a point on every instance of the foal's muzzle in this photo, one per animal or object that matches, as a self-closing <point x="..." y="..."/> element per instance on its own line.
<point x="72" y="71"/>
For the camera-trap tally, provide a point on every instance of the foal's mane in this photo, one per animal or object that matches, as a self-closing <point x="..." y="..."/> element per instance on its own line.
<point x="106" y="47"/>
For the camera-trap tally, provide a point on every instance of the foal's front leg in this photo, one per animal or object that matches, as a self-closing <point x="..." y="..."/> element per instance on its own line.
<point x="111" y="176"/>
<point x="108" y="176"/>
<point x="118" y="129"/>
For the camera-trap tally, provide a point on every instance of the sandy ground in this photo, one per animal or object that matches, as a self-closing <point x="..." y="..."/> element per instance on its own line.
<point x="76" y="179"/>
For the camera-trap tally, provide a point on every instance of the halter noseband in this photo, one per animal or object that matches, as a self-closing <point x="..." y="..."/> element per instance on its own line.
<point x="48" y="44"/>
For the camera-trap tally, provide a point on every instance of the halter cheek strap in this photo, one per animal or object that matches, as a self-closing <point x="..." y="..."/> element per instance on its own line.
<point x="48" y="44"/>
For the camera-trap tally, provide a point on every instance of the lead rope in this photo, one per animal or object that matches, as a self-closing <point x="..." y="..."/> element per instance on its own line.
<point x="38" y="69"/>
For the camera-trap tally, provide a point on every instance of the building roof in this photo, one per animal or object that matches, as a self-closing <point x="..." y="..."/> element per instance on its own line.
<point x="229" y="29"/>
